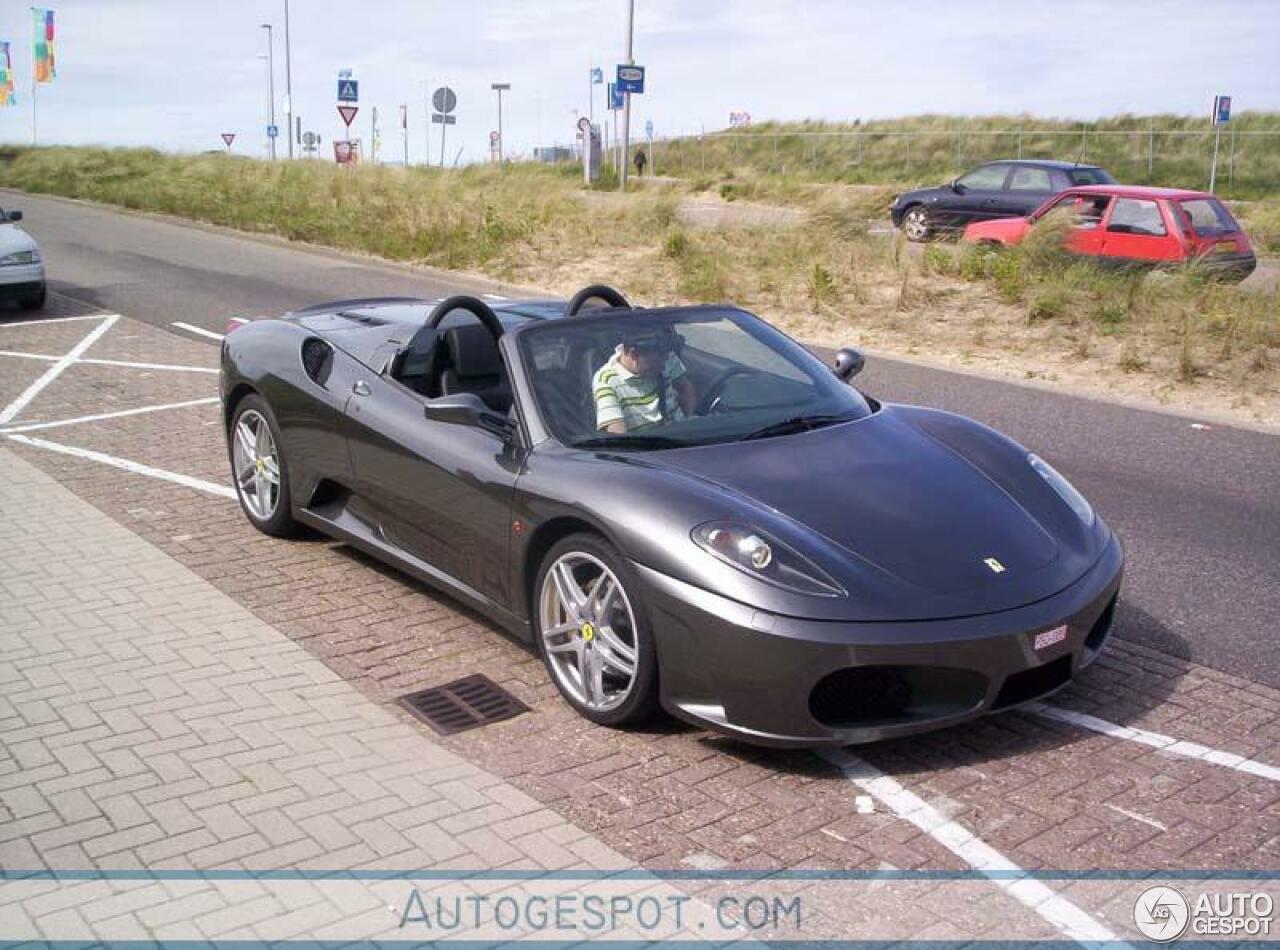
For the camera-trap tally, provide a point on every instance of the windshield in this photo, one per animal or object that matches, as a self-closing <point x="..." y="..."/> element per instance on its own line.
<point x="653" y="380"/>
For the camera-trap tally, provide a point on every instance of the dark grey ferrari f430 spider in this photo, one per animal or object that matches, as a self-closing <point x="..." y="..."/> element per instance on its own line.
<point x="680" y="507"/>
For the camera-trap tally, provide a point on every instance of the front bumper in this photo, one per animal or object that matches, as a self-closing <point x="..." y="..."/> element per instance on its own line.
<point x="782" y="681"/>
<point x="21" y="280"/>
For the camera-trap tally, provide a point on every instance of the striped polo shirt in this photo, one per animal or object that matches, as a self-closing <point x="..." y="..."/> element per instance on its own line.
<point x="622" y="394"/>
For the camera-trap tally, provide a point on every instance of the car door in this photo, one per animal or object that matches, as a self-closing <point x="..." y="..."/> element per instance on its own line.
<point x="439" y="491"/>
<point x="1085" y="212"/>
<point x="974" y="197"/>
<point x="1136" y="230"/>
<point x="1027" y="188"/>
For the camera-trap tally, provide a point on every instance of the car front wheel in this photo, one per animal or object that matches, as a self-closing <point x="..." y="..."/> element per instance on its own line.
<point x="915" y="224"/>
<point x="593" y="633"/>
<point x="258" y="468"/>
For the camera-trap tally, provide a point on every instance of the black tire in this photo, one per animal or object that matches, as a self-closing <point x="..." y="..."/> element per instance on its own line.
<point x="915" y="224"/>
<point x="35" y="301"/>
<point x="641" y="703"/>
<point x="280" y="523"/>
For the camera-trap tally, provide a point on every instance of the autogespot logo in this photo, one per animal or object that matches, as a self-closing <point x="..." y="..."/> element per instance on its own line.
<point x="1161" y="913"/>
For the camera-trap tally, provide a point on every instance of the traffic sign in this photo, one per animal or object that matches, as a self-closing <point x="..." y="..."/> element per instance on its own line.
<point x="1221" y="110"/>
<point x="439" y="119"/>
<point x="648" y="128"/>
<point x="493" y="139"/>
<point x="227" y="139"/>
<point x="309" y="139"/>
<point x="615" y="97"/>
<point x="348" y="90"/>
<point x="444" y="99"/>
<point x="631" y="79"/>
<point x="273" y="131"/>
<point x="348" y="114"/>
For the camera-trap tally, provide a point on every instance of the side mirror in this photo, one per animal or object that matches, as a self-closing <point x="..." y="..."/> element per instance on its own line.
<point x="955" y="186"/>
<point x="468" y="409"/>
<point x="14" y="216"/>
<point x="849" y="363"/>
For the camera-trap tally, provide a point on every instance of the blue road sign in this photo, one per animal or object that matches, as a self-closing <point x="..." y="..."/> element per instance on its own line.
<point x="1221" y="110"/>
<point x="615" y="97"/>
<point x="631" y="79"/>
<point x="597" y="75"/>
<point x="348" y="90"/>
<point x="272" y="131"/>
<point x="648" y="128"/>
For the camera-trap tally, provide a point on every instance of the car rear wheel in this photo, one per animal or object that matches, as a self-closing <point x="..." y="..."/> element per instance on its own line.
<point x="593" y="634"/>
<point x="258" y="468"/>
<point x="915" y="224"/>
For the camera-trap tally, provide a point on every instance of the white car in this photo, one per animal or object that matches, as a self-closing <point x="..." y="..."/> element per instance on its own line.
<point x="21" y="269"/>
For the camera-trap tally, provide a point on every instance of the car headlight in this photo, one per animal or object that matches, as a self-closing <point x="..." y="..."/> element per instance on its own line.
<point x="755" y="553"/>
<point x="1076" y="501"/>
<point x="21" y="257"/>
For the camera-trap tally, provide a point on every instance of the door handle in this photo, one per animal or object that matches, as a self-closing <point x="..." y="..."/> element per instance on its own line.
<point x="361" y="388"/>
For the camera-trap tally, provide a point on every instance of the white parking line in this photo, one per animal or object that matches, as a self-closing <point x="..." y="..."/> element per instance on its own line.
<point x="106" y="415"/>
<point x="222" y="491"/>
<point x="196" y="330"/>
<point x="1188" y="750"/>
<point x="1071" y="921"/>
<point x="31" y="323"/>
<point x="123" y="363"/>
<point x="54" y="371"/>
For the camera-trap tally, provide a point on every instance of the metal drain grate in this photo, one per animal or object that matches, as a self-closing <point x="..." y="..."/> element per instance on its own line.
<point x="463" y="704"/>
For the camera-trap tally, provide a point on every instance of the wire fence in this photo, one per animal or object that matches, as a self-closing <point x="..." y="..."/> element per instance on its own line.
<point x="1248" y="159"/>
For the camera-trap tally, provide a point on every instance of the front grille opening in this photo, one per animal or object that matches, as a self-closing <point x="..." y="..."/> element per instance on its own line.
<point x="467" y="703"/>
<point x="862" y="696"/>
<point x="1101" y="628"/>
<point x="1029" y="684"/>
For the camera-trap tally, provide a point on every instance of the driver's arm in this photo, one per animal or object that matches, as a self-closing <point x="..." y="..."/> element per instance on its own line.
<point x="686" y="392"/>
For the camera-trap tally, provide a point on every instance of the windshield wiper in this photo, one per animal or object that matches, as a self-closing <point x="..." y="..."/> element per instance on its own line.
<point x="628" y="442"/>
<point x="800" y="423"/>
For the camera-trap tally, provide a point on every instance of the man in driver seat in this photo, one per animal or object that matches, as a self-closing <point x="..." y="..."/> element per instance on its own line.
<point x="642" y="384"/>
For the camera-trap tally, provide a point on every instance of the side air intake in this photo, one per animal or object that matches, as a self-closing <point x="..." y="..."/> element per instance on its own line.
<point x="317" y="359"/>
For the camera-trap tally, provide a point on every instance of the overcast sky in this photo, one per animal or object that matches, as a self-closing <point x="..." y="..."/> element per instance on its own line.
<point x="176" y="73"/>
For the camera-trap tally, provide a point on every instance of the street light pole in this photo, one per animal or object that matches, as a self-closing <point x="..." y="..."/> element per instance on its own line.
<point x="271" y="85"/>
<point x="500" y="88"/>
<point x="626" y="105"/>
<point x="288" y="77"/>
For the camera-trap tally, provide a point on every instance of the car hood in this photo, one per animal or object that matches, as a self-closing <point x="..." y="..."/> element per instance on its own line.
<point x="14" y="240"/>
<point x="914" y="513"/>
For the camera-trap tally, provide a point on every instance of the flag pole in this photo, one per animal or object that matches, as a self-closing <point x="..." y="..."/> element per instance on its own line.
<point x="34" y="82"/>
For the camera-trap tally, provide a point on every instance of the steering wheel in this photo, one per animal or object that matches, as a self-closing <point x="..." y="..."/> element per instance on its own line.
<point x="596" y="292"/>
<point x="473" y="305"/>
<point x="714" y="389"/>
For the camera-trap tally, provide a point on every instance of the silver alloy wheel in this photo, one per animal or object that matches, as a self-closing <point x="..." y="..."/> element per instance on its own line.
<point x="916" y="223"/>
<point x="256" y="464"/>
<point x="588" y="631"/>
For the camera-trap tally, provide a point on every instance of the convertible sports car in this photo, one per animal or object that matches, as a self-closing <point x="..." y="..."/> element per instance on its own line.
<point x="681" y="507"/>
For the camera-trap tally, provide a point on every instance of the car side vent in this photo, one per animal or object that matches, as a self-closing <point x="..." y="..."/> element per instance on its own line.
<point x="317" y="359"/>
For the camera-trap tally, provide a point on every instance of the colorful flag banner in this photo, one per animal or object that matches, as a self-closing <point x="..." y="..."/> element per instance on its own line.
<point x="6" y="77"/>
<point x="597" y="75"/>
<point x="42" y="46"/>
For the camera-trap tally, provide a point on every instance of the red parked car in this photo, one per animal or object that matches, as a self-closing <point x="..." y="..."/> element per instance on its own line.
<point x="1136" y="225"/>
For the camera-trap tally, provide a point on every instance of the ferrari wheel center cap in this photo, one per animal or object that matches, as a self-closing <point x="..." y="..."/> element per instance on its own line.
<point x="588" y="632"/>
<point x="260" y="465"/>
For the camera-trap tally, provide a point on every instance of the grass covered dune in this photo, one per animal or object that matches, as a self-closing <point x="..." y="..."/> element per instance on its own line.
<point x="1026" y="313"/>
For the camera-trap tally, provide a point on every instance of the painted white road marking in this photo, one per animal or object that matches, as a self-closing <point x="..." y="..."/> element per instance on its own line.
<point x="107" y="415"/>
<point x="222" y="491"/>
<point x="496" y="297"/>
<point x="196" y="330"/>
<point x="32" y="323"/>
<point x="126" y="364"/>
<point x="1072" y="921"/>
<point x="1188" y="750"/>
<point x="54" y="371"/>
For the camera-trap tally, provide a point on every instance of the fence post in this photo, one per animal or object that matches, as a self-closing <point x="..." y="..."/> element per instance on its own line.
<point x="959" y="162"/>
<point x="1151" y="150"/>
<point x="860" y="135"/>
<point x="906" y="137"/>
<point x="1231" y="160"/>
<point x="1019" y="141"/>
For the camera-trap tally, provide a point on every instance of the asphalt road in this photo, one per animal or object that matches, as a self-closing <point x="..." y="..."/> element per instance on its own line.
<point x="1197" y="508"/>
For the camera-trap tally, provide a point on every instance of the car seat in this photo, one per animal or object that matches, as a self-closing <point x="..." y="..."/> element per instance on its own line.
<point x="472" y="364"/>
